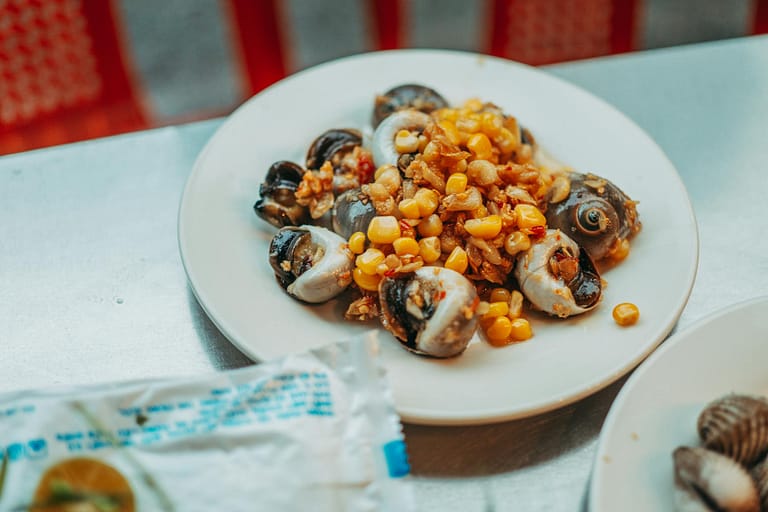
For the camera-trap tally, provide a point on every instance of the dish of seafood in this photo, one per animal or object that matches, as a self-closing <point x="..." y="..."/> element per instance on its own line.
<point x="448" y="217"/>
<point x="689" y="430"/>
<point x="484" y="232"/>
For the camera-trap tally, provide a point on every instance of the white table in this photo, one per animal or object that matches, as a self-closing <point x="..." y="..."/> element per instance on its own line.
<point x="92" y="288"/>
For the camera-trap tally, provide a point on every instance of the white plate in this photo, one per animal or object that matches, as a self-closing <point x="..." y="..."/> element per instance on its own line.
<point x="657" y="408"/>
<point x="224" y="246"/>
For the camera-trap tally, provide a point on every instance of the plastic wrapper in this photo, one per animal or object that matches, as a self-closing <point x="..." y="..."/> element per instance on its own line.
<point x="315" y="431"/>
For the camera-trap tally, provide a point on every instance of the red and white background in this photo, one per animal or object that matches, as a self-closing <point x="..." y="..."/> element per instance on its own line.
<point x="78" y="69"/>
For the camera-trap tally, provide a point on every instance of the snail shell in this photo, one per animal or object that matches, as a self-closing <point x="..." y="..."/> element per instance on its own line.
<point x="708" y="481"/>
<point x="737" y="426"/>
<point x="760" y="474"/>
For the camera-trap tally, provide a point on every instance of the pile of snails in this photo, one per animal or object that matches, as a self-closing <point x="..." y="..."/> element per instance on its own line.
<point x="431" y="308"/>
<point x="729" y="471"/>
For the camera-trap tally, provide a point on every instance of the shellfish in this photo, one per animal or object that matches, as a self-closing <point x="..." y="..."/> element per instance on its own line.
<point x="277" y="201"/>
<point x="342" y="147"/>
<point x="737" y="426"/>
<point x="708" y="481"/>
<point x="760" y="475"/>
<point x="430" y="311"/>
<point x="352" y="211"/>
<point x="557" y="276"/>
<point x="312" y="263"/>
<point x="406" y="96"/>
<point x="383" y="141"/>
<point x="596" y="214"/>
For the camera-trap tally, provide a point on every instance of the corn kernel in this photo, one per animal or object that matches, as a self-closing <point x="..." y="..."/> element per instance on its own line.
<point x="431" y="226"/>
<point x="516" y="242"/>
<point x="406" y="141"/>
<point x="405" y="245"/>
<point x="366" y="281"/>
<point x="457" y="260"/>
<point x="500" y="295"/>
<point x="626" y="314"/>
<point x="507" y="141"/>
<point x="384" y="229"/>
<point x="497" y="309"/>
<point x="521" y="330"/>
<point x="467" y="125"/>
<point x="389" y="177"/>
<point x="427" y="201"/>
<point x="491" y="124"/>
<point x="409" y="208"/>
<point x="498" y="331"/>
<point x="485" y="228"/>
<point x="529" y="216"/>
<point x="480" y="146"/>
<point x="473" y="104"/>
<point x="450" y="131"/>
<point x="515" y="305"/>
<point x="456" y="183"/>
<point x="429" y="249"/>
<point x="447" y="114"/>
<point x="357" y="242"/>
<point x="368" y="260"/>
<point x="619" y="251"/>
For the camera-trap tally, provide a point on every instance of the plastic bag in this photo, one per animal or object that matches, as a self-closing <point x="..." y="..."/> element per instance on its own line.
<point x="315" y="431"/>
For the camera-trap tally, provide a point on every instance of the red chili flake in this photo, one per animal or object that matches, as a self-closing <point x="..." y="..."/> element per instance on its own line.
<point x="538" y="231"/>
<point x="390" y="272"/>
<point x="442" y="294"/>
<point x="365" y="169"/>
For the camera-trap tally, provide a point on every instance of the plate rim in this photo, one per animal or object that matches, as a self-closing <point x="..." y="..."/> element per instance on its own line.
<point x="684" y="336"/>
<point x="415" y="415"/>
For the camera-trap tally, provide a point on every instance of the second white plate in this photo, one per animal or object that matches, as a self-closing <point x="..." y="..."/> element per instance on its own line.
<point x="224" y="246"/>
<point x="657" y="408"/>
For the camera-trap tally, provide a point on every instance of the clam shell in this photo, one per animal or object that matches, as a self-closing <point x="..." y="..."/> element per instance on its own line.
<point x="706" y="481"/>
<point x="737" y="426"/>
<point x="760" y="474"/>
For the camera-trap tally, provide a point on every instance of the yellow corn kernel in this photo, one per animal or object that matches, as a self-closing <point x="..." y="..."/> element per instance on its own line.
<point x="357" y="242"/>
<point x="491" y="124"/>
<point x="479" y="213"/>
<point x="516" y="242"/>
<point x="427" y="201"/>
<point x="619" y="251"/>
<point x="480" y="146"/>
<point x="431" y="226"/>
<point x="389" y="177"/>
<point x="467" y="125"/>
<point x="447" y="114"/>
<point x="497" y="309"/>
<point x="450" y="131"/>
<point x="429" y="249"/>
<point x="507" y="141"/>
<point x="498" y="331"/>
<point x="384" y="229"/>
<point x="366" y="281"/>
<point x="457" y="260"/>
<point x="409" y="208"/>
<point x="406" y="141"/>
<point x="368" y="260"/>
<point x="626" y="314"/>
<point x="456" y="184"/>
<point x="500" y="295"/>
<point x="515" y="305"/>
<point x="405" y="245"/>
<point x="473" y="104"/>
<point x="521" y="330"/>
<point x="485" y="228"/>
<point x="529" y="216"/>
